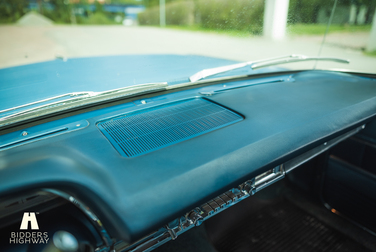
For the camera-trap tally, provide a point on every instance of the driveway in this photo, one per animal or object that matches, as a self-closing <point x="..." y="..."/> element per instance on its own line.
<point x="21" y="45"/>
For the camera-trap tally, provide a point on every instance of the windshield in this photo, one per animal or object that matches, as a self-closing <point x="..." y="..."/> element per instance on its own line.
<point x="100" y="45"/>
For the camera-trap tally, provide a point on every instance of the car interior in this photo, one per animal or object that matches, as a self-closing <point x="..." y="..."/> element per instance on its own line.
<point x="267" y="162"/>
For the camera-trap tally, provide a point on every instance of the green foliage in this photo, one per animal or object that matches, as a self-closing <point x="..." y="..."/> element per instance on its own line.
<point x="371" y="53"/>
<point x="196" y="27"/>
<point x="319" y="29"/>
<point x="61" y="12"/>
<point x="12" y="10"/>
<point x="134" y="2"/>
<point x="98" y="18"/>
<point x="180" y="13"/>
<point x="98" y="7"/>
<point x="242" y="15"/>
<point x="177" y="13"/>
<point x="306" y="11"/>
<point x="149" y="17"/>
<point x="239" y="15"/>
<point x="153" y="3"/>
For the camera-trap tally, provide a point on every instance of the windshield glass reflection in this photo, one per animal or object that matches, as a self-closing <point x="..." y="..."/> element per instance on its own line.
<point x="240" y="30"/>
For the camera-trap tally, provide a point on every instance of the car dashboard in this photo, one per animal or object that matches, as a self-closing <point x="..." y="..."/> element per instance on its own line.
<point x="136" y="174"/>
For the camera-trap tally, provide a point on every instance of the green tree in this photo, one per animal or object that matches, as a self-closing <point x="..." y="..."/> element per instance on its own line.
<point x="134" y="2"/>
<point x="61" y="12"/>
<point x="12" y="10"/>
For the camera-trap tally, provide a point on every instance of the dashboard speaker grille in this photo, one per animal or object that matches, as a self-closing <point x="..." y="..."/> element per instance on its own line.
<point x="150" y="129"/>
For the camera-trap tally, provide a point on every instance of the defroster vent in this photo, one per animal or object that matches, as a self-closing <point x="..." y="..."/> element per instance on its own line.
<point x="147" y="130"/>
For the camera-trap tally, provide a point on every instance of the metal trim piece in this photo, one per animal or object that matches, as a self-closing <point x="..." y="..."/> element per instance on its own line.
<point x="297" y="58"/>
<point x="26" y="136"/>
<point x="198" y="215"/>
<point x="79" y="99"/>
<point x="299" y="160"/>
<point x="269" y="178"/>
<point x="243" y="85"/>
<point x="32" y="137"/>
<point x="260" y="64"/>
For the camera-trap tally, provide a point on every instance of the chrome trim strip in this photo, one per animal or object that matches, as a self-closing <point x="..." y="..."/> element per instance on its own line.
<point x="79" y="99"/>
<point x="198" y="215"/>
<point x="85" y="94"/>
<point x="261" y="182"/>
<point x="29" y="135"/>
<point x="243" y="85"/>
<point x="297" y="58"/>
<point x="33" y="137"/>
<point x="299" y="160"/>
<point x="187" y="84"/>
<point x="259" y="64"/>
<point x="217" y="70"/>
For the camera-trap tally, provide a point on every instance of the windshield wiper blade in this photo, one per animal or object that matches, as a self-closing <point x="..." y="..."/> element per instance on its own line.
<point x="259" y="64"/>
<point x="73" y="94"/>
<point x="74" y="99"/>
